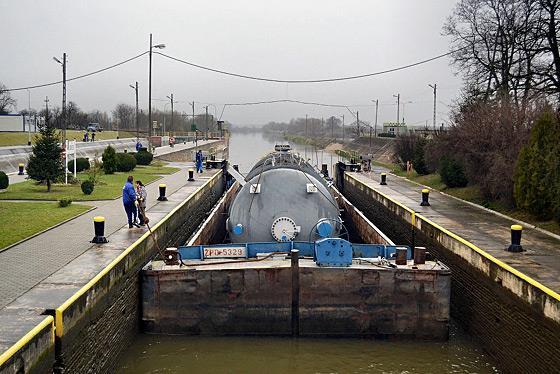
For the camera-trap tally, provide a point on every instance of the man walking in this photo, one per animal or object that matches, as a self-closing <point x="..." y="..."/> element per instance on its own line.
<point x="199" y="158"/>
<point x="129" y="198"/>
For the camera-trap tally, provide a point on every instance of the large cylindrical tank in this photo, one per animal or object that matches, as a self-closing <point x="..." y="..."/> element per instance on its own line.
<point x="284" y="199"/>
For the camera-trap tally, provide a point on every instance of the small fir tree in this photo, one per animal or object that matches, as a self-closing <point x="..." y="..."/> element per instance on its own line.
<point x="109" y="158"/>
<point x="45" y="163"/>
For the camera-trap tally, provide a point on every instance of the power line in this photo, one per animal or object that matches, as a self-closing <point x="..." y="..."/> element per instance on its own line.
<point x="304" y="80"/>
<point x="79" y="76"/>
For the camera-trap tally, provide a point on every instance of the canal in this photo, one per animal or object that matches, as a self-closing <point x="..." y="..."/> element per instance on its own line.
<point x="196" y="354"/>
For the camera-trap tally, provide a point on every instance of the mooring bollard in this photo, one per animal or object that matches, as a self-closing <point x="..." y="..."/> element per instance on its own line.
<point x="171" y="256"/>
<point x="383" y="179"/>
<point x="419" y="255"/>
<point x="401" y="256"/>
<point x="325" y="170"/>
<point x="236" y="168"/>
<point x="191" y="175"/>
<point x="99" y="229"/>
<point x="162" y="188"/>
<point x="425" y="197"/>
<point x="20" y="168"/>
<point x="295" y="291"/>
<point x="515" y="245"/>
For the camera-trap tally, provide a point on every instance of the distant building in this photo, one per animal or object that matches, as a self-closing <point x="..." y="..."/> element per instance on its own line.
<point x="394" y="128"/>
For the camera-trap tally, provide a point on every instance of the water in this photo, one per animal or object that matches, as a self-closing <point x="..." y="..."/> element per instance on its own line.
<point x="196" y="354"/>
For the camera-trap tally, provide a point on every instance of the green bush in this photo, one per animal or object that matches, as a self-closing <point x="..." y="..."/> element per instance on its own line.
<point x="418" y="161"/>
<point x="4" y="181"/>
<point x="64" y="202"/>
<point x="87" y="187"/>
<point x="81" y="164"/>
<point x="537" y="174"/>
<point x="143" y="157"/>
<point x="452" y="173"/>
<point x="109" y="158"/>
<point x="125" y="162"/>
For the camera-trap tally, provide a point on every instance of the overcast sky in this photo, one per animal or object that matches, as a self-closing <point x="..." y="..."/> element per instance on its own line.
<point x="285" y="39"/>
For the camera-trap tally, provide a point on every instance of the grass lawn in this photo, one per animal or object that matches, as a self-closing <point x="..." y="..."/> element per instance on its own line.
<point x="20" y="138"/>
<point x="24" y="219"/>
<point x="110" y="186"/>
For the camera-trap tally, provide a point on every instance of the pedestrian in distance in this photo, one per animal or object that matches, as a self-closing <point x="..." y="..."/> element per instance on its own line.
<point x="93" y="136"/>
<point x="141" y="195"/>
<point x="199" y="158"/>
<point x="129" y="200"/>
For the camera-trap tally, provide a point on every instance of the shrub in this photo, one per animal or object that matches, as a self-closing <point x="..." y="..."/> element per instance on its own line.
<point x="87" y="187"/>
<point x="452" y="173"/>
<point x="4" y="181"/>
<point x="109" y="158"/>
<point x="64" y="202"/>
<point x="143" y="157"/>
<point x="537" y="175"/>
<point x="418" y="161"/>
<point x="81" y="164"/>
<point x="125" y="162"/>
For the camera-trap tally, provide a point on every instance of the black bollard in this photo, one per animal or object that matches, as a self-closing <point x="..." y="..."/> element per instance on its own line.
<point x="425" y="197"/>
<point x="236" y="167"/>
<point x="20" y="169"/>
<point x="515" y="245"/>
<point x="401" y="256"/>
<point x="325" y="170"/>
<point x="383" y="179"/>
<point x="191" y="175"/>
<point x="99" y="229"/>
<point x="162" y="188"/>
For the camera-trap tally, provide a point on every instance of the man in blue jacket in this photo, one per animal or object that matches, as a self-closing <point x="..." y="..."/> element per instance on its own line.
<point x="129" y="198"/>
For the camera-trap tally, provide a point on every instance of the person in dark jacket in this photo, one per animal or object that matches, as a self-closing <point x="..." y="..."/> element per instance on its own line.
<point x="129" y="199"/>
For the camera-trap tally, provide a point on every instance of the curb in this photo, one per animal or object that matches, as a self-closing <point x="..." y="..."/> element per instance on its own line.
<point x="47" y="229"/>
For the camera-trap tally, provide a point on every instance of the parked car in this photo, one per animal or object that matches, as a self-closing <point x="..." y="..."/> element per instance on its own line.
<point x="94" y="127"/>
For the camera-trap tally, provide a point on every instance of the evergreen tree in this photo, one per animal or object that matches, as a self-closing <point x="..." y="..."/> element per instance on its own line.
<point x="45" y="163"/>
<point x="537" y="173"/>
<point x="109" y="158"/>
<point x="419" y="161"/>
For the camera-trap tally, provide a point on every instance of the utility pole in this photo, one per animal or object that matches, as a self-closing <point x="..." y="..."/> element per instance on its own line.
<point x="435" y="95"/>
<point x="135" y="88"/>
<point x="46" y="110"/>
<point x="398" y="96"/>
<point x="305" y="149"/>
<point x="206" y="121"/>
<point x="376" y="108"/>
<point x="63" y="63"/>
<point x="358" y="123"/>
<point x="159" y="46"/>
<point x="343" y="128"/>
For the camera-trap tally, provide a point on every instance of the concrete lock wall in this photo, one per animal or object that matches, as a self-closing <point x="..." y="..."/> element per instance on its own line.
<point x="187" y="155"/>
<point x="333" y="302"/>
<point x="516" y="319"/>
<point x="98" y="322"/>
<point x="33" y="353"/>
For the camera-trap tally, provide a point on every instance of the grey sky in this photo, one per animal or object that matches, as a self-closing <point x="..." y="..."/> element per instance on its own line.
<point x="279" y="39"/>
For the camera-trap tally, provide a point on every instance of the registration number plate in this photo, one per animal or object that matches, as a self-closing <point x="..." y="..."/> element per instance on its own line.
<point x="225" y="252"/>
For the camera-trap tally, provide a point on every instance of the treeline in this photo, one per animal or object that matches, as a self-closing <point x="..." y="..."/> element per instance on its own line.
<point x="317" y="127"/>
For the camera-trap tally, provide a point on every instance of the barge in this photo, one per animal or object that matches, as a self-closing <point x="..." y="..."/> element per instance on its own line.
<point x="284" y="253"/>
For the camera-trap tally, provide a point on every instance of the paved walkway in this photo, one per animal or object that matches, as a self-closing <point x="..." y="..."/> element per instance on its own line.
<point x="489" y="231"/>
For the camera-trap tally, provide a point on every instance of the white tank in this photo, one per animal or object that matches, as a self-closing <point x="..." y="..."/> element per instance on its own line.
<point x="284" y="199"/>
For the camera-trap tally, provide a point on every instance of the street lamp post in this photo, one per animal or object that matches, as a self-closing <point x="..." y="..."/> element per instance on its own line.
<point x="135" y="88"/>
<point x="398" y="96"/>
<point x="63" y="63"/>
<point x="171" y="99"/>
<point x="159" y="46"/>
<point x="376" y="107"/>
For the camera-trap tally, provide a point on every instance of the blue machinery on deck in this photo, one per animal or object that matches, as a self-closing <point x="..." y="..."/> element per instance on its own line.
<point x="325" y="252"/>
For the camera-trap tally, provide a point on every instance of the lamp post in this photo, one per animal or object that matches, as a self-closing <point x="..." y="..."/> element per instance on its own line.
<point x="434" y="86"/>
<point x="159" y="46"/>
<point x="63" y="63"/>
<point x="171" y="100"/>
<point x="135" y="88"/>
<point x="376" y="107"/>
<point x="405" y="102"/>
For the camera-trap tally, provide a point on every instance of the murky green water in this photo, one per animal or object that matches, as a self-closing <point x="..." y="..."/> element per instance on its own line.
<point x="182" y="354"/>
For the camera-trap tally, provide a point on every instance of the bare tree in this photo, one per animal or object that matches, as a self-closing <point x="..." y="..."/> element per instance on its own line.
<point x="124" y="113"/>
<point x="6" y="100"/>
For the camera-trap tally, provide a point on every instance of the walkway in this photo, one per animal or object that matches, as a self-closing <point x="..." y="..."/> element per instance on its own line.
<point x="487" y="230"/>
